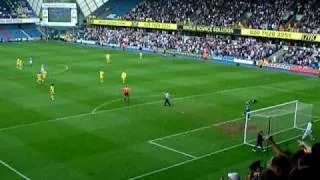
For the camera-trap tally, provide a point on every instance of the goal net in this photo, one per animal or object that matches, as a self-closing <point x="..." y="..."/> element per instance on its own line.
<point x="283" y="121"/>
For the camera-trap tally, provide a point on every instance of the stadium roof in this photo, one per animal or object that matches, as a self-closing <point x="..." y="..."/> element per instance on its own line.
<point x="87" y="6"/>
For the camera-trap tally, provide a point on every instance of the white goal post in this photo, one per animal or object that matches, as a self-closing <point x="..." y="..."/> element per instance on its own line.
<point x="283" y="121"/>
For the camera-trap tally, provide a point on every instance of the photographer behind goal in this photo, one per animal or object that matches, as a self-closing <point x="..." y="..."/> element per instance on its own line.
<point x="259" y="143"/>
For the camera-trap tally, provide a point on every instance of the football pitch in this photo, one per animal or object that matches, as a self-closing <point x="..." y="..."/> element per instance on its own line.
<point x="88" y="132"/>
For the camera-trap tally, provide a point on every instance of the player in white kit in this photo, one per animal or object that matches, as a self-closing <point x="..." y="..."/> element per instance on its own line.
<point x="308" y="131"/>
<point x="42" y="68"/>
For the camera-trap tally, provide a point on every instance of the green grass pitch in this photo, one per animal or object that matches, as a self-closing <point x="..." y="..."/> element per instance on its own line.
<point x="89" y="133"/>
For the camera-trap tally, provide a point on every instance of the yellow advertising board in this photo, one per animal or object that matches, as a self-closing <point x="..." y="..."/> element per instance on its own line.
<point x="281" y="35"/>
<point x="112" y="23"/>
<point x="222" y="30"/>
<point x="154" y="25"/>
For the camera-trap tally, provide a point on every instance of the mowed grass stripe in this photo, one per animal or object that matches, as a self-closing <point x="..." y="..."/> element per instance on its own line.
<point x="113" y="143"/>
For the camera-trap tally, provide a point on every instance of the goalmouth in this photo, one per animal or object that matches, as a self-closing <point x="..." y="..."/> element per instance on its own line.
<point x="283" y="121"/>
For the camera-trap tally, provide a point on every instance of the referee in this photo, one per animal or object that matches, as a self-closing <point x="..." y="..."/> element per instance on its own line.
<point x="167" y="99"/>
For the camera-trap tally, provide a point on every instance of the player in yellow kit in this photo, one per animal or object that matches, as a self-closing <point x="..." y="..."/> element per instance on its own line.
<point x="18" y="63"/>
<point x="101" y="76"/>
<point x="39" y="78"/>
<point x="108" y="58"/>
<point x="123" y="77"/>
<point x="44" y="75"/>
<point x="51" y="92"/>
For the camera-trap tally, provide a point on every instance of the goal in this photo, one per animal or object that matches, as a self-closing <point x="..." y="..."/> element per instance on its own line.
<point x="283" y="121"/>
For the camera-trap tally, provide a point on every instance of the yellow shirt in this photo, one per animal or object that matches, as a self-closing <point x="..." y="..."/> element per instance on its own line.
<point x="108" y="56"/>
<point x="18" y="62"/>
<point x="101" y="73"/>
<point x="39" y="76"/>
<point x="44" y="74"/>
<point x="51" y="89"/>
<point x="123" y="75"/>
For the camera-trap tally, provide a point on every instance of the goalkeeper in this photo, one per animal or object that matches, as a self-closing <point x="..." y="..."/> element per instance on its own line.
<point x="248" y="106"/>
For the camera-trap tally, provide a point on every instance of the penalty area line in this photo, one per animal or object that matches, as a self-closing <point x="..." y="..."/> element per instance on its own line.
<point x="197" y="129"/>
<point x="186" y="162"/>
<point x="14" y="170"/>
<point x="172" y="149"/>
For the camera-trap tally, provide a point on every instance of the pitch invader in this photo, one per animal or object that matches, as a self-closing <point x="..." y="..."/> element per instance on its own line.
<point x="52" y="92"/>
<point x="123" y="77"/>
<point x="101" y="76"/>
<point x="108" y="58"/>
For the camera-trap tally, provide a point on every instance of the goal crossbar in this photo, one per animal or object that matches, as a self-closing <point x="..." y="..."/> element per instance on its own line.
<point x="277" y="119"/>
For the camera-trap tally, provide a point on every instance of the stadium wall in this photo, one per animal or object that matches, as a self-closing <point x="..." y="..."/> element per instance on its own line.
<point x="222" y="59"/>
<point x="208" y="29"/>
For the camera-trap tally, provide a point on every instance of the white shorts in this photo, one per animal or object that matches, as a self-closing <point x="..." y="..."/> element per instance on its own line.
<point x="307" y="133"/>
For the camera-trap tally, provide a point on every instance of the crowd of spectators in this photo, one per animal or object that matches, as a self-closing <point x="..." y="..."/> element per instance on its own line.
<point x="302" y="56"/>
<point x="244" y="48"/>
<point x="286" y="165"/>
<point x="310" y="22"/>
<point x="206" y="12"/>
<point x="259" y="14"/>
<point x="15" y="9"/>
<point x="5" y="11"/>
<point x="270" y="14"/>
<point x="215" y="45"/>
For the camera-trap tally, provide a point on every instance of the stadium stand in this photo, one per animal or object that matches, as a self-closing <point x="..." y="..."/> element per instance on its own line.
<point x="270" y="14"/>
<point x="273" y="15"/>
<point x="12" y="9"/>
<point x="32" y="31"/>
<point x="245" y="48"/>
<point x="286" y="165"/>
<point x="20" y="8"/>
<point x="310" y="21"/>
<point x="302" y="56"/>
<point x="14" y="32"/>
<point x="5" y="11"/>
<point x="115" y="8"/>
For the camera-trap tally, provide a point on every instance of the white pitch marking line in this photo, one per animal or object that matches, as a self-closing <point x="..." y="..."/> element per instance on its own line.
<point x="127" y="107"/>
<point x="185" y="162"/>
<point x="103" y="104"/>
<point x="120" y="108"/>
<point x="115" y="100"/>
<point x="200" y="157"/>
<point x="171" y="149"/>
<point x="195" y="130"/>
<point x="14" y="170"/>
<point x="66" y="68"/>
